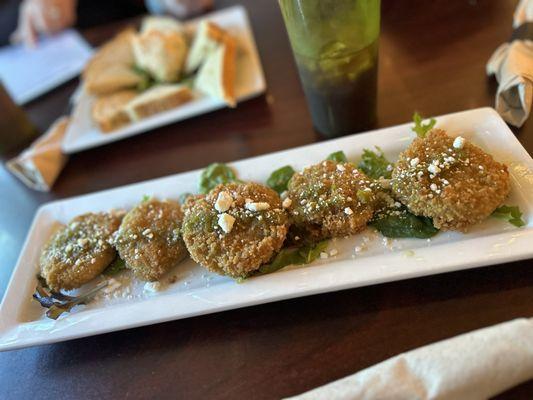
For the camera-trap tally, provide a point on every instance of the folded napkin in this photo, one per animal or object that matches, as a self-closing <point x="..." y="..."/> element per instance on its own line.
<point x="523" y="13"/>
<point x="39" y="165"/>
<point x="473" y="366"/>
<point x="512" y="65"/>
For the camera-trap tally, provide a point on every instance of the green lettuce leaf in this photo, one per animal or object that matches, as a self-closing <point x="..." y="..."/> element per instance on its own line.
<point x="294" y="256"/>
<point x="511" y="214"/>
<point x="115" y="267"/>
<point x="400" y="223"/>
<point x="420" y="128"/>
<point x="338" y="156"/>
<point x="214" y="175"/>
<point x="280" y="178"/>
<point x="374" y="164"/>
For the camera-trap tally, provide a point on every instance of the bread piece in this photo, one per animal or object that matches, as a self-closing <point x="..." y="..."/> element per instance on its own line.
<point x="111" y="68"/>
<point x="161" y="53"/>
<point x="162" y="24"/>
<point x="216" y="76"/>
<point x="208" y="37"/>
<point x="109" y="111"/>
<point x="113" y="79"/>
<point x="157" y="99"/>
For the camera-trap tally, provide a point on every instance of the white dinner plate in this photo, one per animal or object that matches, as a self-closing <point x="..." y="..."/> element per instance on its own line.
<point x="195" y="292"/>
<point x="83" y="133"/>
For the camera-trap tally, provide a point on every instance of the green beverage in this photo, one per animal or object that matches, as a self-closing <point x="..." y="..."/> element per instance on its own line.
<point x="335" y="44"/>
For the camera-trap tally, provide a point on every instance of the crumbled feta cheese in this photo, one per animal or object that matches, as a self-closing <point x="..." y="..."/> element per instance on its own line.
<point x="287" y="202"/>
<point x="459" y="142"/>
<point x="389" y="167"/>
<point x="153" y="286"/>
<point x="434" y="169"/>
<point x="82" y="242"/>
<point x="333" y="252"/>
<point x="147" y="231"/>
<point x="224" y="202"/>
<point x="324" y="255"/>
<point x="414" y="162"/>
<point x="348" y="211"/>
<point x="340" y="167"/>
<point x="226" y="221"/>
<point x="259" y="206"/>
<point x="433" y="187"/>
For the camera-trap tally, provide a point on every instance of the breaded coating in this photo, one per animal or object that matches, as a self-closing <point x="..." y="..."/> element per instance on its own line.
<point x="235" y="228"/>
<point x="149" y="239"/>
<point x="450" y="180"/>
<point x="80" y="251"/>
<point x="329" y="200"/>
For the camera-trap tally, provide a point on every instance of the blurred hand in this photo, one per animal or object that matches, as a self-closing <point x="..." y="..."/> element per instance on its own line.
<point x="43" y="17"/>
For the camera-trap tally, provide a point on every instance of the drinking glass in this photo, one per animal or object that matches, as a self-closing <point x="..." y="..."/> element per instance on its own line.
<point x="335" y="45"/>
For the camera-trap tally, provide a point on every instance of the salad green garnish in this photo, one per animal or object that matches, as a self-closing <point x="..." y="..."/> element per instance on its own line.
<point x="337" y="156"/>
<point x="115" y="267"/>
<point x="279" y="179"/>
<point x="59" y="303"/>
<point x="512" y="214"/>
<point x="403" y="224"/>
<point x="374" y="164"/>
<point x="145" y="198"/>
<point x="420" y="128"/>
<point x="294" y="256"/>
<point x="214" y="175"/>
<point x="147" y="81"/>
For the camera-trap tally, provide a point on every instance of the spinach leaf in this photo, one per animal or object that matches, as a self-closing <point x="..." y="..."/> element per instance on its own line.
<point x="280" y="178"/>
<point x="374" y="164"/>
<point x="294" y="256"/>
<point x="338" y="156"/>
<point x="214" y="175"/>
<point x="420" y="128"/>
<point x="403" y="224"/>
<point x="512" y="214"/>
<point x="115" y="267"/>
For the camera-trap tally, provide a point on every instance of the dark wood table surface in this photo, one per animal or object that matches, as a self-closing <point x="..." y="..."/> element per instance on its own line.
<point x="432" y="59"/>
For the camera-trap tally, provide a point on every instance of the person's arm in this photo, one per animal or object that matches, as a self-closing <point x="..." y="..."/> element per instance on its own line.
<point x="43" y="16"/>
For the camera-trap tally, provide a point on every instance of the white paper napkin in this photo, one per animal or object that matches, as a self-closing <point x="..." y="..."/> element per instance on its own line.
<point x="473" y="366"/>
<point x="512" y="65"/>
<point x="39" y="165"/>
<point x="523" y="13"/>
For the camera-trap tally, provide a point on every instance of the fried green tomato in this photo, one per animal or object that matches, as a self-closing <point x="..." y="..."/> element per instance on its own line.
<point x="235" y="228"/>
<point x="449" y="180"/>
<point x="329" y="200"/>
<point x="149" y="239"/>
<point x="80" y="251"/>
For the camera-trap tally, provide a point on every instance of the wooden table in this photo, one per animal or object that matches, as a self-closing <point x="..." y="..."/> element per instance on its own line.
<point x="433" y="55"/>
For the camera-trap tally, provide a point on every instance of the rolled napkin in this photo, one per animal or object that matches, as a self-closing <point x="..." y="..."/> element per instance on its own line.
<point x="512" y="65"/>
<point x="523" y="13"/>
<point x="39" y="165"/>
<point x="472" y="366"/>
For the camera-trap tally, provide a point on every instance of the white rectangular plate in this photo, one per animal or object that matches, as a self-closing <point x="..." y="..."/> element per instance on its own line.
<point x="196" y="292"/>
<point x="83" y="133"/>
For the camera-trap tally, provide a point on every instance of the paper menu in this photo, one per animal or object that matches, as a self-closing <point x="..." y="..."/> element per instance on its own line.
<point x="29" y="73"/>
